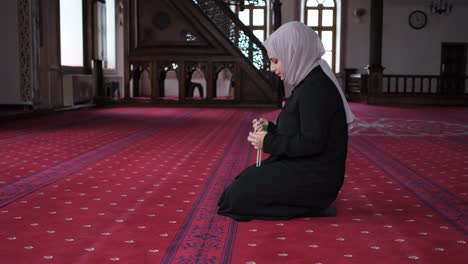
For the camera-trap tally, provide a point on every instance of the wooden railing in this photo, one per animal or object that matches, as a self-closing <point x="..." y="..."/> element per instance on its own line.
<point x="424" y="84"/>
<point x="408" y="84"/>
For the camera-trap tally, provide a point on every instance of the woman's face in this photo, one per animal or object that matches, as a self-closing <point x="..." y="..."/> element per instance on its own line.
<point x="277" y="67"/>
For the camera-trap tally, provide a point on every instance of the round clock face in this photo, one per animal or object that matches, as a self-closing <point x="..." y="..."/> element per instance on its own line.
<point x="417" y="19"/>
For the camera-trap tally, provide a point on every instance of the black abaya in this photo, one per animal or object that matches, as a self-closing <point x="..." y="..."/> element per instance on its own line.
<point x="306" y="167"/>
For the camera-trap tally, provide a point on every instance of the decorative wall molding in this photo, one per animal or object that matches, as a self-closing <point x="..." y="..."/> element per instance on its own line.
<point x="25" y="59"/>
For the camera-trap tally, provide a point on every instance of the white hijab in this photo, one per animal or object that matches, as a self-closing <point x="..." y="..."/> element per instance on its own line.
<point x="300" y="50"/>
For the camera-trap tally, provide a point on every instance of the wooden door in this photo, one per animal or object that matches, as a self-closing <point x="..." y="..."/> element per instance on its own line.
<point x="453" y="68"/>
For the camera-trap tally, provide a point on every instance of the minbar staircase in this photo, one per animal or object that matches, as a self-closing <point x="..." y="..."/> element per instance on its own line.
<point x="204" y="35"/>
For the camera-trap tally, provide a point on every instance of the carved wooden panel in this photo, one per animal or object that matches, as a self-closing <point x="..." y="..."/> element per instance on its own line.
<point x="161" y="25"/>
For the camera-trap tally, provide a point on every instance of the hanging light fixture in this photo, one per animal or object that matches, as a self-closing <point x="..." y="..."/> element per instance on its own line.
<point x="441" y="7"/>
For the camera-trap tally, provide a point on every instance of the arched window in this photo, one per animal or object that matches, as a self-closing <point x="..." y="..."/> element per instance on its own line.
<point x="321" y="15"/>
<point x="255" y="16"/>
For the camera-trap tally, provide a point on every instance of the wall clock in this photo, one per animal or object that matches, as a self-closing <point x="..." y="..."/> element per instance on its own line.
<point x="417" y="19"/>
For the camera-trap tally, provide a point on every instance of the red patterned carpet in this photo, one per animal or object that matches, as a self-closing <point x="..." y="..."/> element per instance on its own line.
<point x="140" y="185"/>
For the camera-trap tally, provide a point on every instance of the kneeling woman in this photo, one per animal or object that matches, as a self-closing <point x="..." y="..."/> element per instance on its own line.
<point x="307" y="145"/>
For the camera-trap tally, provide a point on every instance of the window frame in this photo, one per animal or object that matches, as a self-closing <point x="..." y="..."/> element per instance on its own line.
<point x="266" y="19"/>
<point x="110" y="71"/>
<point x="87" y="9"/>
<point x="319" y="29"/>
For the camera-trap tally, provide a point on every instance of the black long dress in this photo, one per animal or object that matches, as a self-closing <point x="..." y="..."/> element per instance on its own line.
<point x="306" y="167"/>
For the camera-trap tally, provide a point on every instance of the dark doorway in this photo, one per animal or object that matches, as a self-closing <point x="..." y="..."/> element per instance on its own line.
<point x="453" y="68"/>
